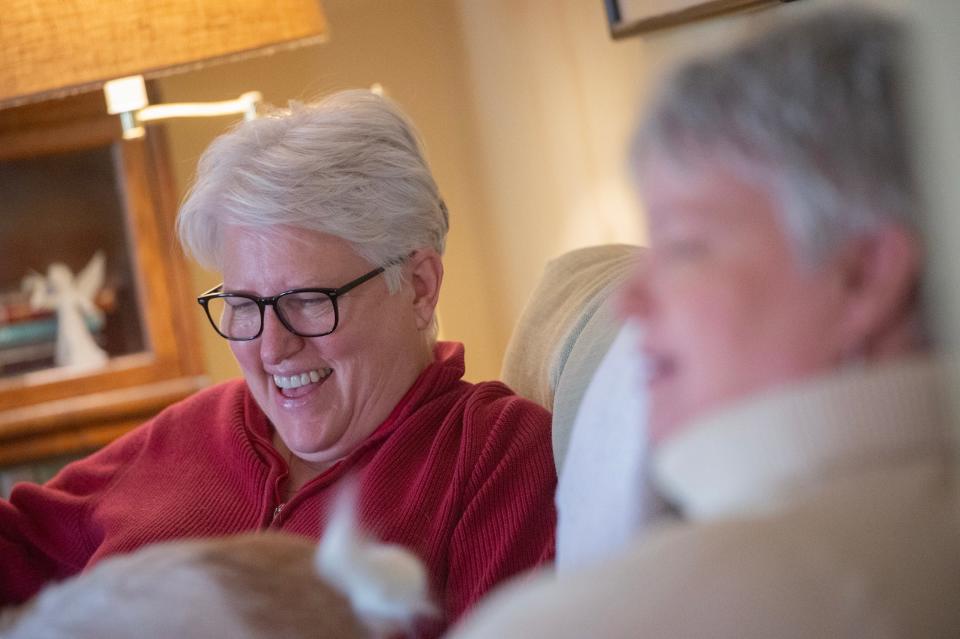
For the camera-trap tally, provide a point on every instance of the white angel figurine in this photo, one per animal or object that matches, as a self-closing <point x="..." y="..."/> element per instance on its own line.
<point x="73" y="300"/>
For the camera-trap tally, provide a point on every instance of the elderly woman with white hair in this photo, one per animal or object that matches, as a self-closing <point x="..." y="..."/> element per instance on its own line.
<point x="328" y="228"/>
<point x="798" y="418"/>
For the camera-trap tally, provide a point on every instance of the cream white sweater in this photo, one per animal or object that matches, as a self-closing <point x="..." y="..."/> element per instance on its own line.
<point x="826" y="510"/>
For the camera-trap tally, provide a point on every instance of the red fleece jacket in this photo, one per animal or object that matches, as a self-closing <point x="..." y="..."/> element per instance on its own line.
<point x="460" y="473"/>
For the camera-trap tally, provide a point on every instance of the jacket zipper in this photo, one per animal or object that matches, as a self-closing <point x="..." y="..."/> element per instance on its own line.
<point x="276" y="512"/>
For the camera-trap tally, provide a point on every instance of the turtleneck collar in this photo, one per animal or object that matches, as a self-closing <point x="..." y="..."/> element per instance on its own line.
<point x="758" y="455"/>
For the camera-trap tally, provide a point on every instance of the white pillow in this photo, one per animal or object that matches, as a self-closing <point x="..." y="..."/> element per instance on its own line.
<point x="603" y="496"/>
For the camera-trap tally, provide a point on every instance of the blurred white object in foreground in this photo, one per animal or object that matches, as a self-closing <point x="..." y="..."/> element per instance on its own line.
<point x="386" y="584"/>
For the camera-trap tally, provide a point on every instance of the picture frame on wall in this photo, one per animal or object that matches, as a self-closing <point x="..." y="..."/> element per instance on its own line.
<point x="639" y="17"/>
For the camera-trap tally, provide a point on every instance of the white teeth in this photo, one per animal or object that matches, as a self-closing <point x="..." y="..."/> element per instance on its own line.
<point x="301" y="379"/>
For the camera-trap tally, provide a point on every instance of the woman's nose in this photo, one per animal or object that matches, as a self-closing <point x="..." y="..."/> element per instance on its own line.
<point x="635" y="298"/>
<point x="276" y="341"/>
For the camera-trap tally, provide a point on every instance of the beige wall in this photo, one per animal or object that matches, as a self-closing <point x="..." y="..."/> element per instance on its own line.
<point x="555" y="100"/>
<point x="525" y="106"/>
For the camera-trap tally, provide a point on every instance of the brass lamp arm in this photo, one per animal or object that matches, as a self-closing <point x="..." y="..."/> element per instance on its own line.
<point x="127" y="97"/>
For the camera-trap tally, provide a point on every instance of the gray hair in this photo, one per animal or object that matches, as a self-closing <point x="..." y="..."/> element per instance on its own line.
<point x="813" y="112"/>
<point x="350" y="165"/>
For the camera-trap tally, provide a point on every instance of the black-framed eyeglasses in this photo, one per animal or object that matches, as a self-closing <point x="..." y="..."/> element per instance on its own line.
<point x="307" y="312"/>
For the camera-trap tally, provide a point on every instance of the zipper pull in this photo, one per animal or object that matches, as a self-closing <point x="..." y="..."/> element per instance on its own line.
<point x="276" y="512"/>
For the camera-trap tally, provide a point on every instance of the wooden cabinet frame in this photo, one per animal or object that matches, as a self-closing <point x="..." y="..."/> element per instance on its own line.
<point x="58" y="411"/>
<point x="624" y="24"/>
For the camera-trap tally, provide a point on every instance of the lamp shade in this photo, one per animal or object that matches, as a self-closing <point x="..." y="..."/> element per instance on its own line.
<point x="51" y="48"/>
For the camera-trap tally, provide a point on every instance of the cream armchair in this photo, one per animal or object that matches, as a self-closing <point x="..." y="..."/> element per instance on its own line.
<point x="564" y="331"/>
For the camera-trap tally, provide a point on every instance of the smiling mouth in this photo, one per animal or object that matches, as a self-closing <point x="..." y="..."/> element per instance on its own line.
<point x="287" y="382"/>
<point x="658" y="368"/>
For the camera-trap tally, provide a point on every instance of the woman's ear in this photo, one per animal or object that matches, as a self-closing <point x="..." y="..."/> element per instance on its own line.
<point x="426" y="275"/>
<point x="881" y="278"/>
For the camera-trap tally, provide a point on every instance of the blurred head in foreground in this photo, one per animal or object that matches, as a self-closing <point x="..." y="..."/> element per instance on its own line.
<point x="245" y="587"/>
<point x="266" y="584"/>
<point x="783" y="217"/>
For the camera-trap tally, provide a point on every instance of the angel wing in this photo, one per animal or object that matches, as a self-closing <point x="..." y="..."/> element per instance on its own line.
<point x="89" y="281"/>
<point x="36" y="285"/>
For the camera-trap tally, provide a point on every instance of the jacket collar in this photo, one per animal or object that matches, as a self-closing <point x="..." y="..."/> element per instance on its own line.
<point x="761" y="453"/>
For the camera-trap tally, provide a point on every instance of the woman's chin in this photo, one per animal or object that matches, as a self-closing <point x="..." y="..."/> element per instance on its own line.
<point x="666" y="422"/>
<point x="305" y="435"/>
<point x="306" y="446"/>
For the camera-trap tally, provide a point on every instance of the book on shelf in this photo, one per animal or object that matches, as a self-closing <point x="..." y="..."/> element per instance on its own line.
<point x="15" y="307"/>
<point x="36" y="330"/>
<point x="15" y="360"/>
<point x="28" y="335"/>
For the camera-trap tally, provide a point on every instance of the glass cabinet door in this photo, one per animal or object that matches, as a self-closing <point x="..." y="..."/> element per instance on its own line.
<point x="64" y="209"/>
<point x="95" y="328"/>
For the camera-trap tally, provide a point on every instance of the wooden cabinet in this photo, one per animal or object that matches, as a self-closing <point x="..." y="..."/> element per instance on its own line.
<point x="70" y="187"/>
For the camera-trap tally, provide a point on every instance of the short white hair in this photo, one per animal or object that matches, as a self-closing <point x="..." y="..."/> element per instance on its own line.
<point x="813" y="111"/>
<point x="350" y="165"/>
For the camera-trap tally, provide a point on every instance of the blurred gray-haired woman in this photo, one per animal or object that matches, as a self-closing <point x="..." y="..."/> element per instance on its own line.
<point x="798" y="417"/>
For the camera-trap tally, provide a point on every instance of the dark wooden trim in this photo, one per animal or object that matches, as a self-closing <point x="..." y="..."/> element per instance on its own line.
<point x="703" y="11"/>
